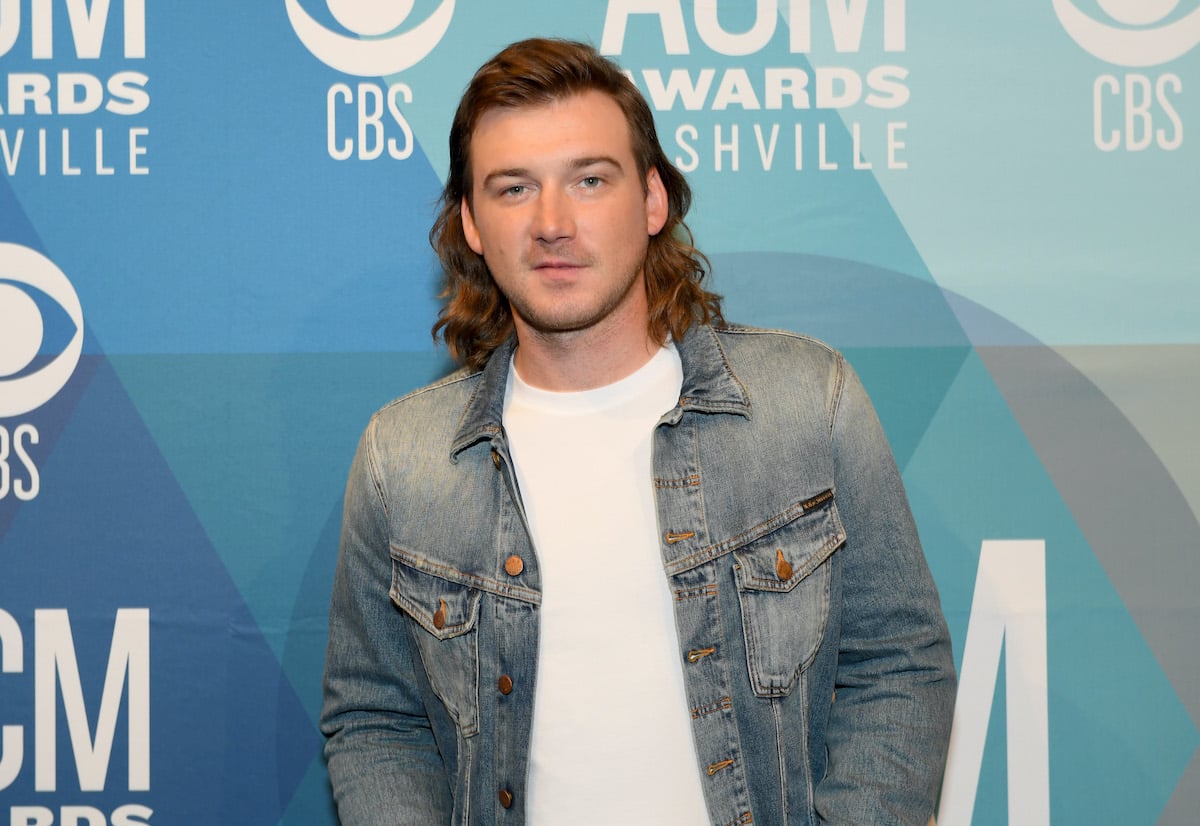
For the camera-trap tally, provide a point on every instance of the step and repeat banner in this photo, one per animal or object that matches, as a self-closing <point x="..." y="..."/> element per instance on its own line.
<point x="214" y="267"/>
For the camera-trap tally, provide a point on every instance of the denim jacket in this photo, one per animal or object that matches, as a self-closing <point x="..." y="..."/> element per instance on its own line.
<point x="816" y="661"/>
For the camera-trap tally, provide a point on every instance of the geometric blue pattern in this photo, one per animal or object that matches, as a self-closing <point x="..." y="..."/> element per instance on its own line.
<point x="250" y="301"/>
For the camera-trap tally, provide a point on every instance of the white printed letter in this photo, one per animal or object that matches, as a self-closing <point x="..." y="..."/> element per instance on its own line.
<point x="128" y="657"/>
<point x="12" y="661"/>
<point x="734" y="45"/>
<point x="10" y="24"/>
<point x="670" y="20"/>
<point x="1008" y="611"/>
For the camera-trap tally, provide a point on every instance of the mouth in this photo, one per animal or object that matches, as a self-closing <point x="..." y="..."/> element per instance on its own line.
<point x="558" y="265"/>
<point x="559" y="271"/>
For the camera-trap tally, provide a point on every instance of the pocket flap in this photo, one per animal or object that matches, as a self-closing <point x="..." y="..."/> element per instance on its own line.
<point x="782" y="559"/>
<point x="443" y="608"/>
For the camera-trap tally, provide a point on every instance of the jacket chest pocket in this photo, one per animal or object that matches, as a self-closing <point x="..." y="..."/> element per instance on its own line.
<point x="783" y="583"/>
<point x="446" y="617"/>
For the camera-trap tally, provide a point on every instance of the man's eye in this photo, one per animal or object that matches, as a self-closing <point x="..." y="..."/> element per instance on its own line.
<point x="592" y="181"/>
<point x="515" y="189"/>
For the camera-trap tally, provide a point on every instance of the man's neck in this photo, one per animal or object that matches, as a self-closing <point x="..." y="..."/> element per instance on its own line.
<point x="581" y="360"/>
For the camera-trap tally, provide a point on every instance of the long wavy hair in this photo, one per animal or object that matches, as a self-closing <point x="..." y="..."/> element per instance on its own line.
<point x="475" y="317"/>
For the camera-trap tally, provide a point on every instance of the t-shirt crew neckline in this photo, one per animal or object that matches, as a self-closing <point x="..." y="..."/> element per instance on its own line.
<point x="578" y="402"/>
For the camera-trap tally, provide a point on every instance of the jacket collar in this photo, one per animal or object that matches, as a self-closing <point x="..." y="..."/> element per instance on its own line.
<point x="709" y="386"/>
<point x="709" y="383"/>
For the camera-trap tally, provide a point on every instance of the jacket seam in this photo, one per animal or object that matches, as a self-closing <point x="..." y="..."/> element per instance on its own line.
<point x="836" y="393"/>
<point x="738" y="329"/>
<point x="458" y="376"/>
<point x="716" y="549"/>
<point x="377" y="480"/>
<point x="783" y="775"/>
<point x="449" y="573"/>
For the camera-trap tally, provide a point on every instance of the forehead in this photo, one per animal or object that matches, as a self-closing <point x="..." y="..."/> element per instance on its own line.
<point x="585" y="124"/>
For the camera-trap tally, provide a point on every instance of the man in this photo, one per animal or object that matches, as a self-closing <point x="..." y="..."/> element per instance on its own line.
<point x="632" y="564"/>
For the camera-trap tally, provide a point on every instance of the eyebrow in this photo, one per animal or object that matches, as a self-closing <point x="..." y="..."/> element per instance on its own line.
<point x="574" y="165"/>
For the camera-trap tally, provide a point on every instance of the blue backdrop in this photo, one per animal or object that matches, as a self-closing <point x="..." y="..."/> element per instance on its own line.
<point x="214" y="267"/>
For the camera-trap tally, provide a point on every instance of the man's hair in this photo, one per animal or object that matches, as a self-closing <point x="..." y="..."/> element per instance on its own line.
<point x="475" y="318"/>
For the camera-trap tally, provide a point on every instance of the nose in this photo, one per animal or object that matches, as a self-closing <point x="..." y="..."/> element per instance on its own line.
<point x="554" y="217"/>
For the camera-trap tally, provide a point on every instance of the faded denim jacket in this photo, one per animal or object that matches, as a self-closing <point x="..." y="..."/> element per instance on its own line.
<point x="816" y="660"/>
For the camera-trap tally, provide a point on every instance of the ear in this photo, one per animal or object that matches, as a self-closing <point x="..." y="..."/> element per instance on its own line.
<point x="656" y="202"/>
<point x="469" y="229"/>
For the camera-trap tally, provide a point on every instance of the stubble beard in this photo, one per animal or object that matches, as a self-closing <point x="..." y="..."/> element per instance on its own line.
<point x="547" y="317"/>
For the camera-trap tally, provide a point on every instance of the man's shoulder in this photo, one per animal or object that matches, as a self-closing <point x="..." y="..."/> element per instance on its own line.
<point x="770" y="337"/>
<point x="424" y="413"/>
<point x="775" y="348"/>
<point x="453" y="388"/>
<point x="781" y="370"/>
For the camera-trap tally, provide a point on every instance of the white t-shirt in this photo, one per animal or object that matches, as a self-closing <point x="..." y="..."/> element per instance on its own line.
<point x="612" y="740"/>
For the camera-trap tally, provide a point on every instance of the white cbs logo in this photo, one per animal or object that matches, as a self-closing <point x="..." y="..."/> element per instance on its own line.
<point x="1135" y="111"/>
<point x="1141" y="39"/>
<point x="23" y="274"/>
<point x="372" y="51"/>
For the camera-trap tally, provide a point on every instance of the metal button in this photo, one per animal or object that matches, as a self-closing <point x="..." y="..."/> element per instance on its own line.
<point x="506" y="798"/>
<point x="496" y="459"/>
<point x="514" y="565"/>
<point x="505" y="684"/>
<point x="439" y="616"/>
<point x="783" y="568"/>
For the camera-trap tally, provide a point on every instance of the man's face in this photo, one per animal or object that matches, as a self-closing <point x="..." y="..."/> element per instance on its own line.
<point x="561" y="216"/>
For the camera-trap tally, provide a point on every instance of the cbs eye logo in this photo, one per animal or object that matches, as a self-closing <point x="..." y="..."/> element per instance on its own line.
<point x="372" y="49"/>
<point x="38" y="310"/>
<point x="1141" y="37"/>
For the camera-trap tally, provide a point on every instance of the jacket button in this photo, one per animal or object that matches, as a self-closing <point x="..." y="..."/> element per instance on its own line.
<point x="506" y="798"/>
<point x="496" y="459"/>
<point x="514" y="565"/>
<point x="505" y="684"/>
<point x="783" y="568"/>
<point x="439" y="616"/>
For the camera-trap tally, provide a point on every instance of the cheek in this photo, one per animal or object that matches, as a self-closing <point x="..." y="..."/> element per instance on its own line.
<point x="500" y="230"/>
<point x="630" y="226"/>
<point x="500" y="249"/>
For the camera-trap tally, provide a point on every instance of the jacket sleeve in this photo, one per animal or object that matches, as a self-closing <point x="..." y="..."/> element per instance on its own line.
<point x="384" y="763"/>
<point x="889" y="724"/>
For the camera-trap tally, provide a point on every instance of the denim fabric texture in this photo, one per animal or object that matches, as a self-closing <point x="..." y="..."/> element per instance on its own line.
<point x="817" y="663"/>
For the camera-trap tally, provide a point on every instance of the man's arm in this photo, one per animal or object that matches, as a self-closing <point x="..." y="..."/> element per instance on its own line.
<point x="383" y="762"/>
<point x="889" y="725"/>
